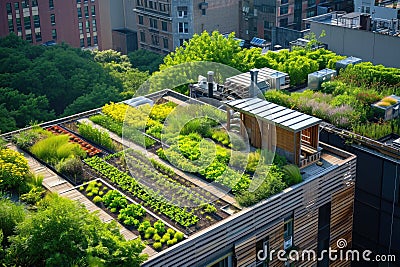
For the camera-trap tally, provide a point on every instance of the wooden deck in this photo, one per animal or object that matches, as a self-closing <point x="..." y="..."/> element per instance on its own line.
<point x="56" y="184"/>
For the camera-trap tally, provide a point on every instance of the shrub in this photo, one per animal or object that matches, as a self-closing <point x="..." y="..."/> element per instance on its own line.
<point x="97" y="199"/>
<point x="56" y="148"/>
<point x="157" y="245"/>
<point x="14" y="169"/>
<point x="33" y="196"/>
<point x="159" y="226"/>
<point x="144" y="226"/>
<point x="156" y="237"/>
<point x="178" y="236"/>
<point x="170" y="231"/>
<point x="11" y="214"/>
<point x="100" y="137"/>
<point x="292" y="174"/>
<point x="172" y="242"/>
<point x="26" y="139"/>
<point x="72" y="167"/>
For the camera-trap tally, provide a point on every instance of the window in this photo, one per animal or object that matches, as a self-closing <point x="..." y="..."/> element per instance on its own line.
<point x="89" y="41"/>
<point x="164" y="25"/>
<point x="87" y="26"/>
<point x="151" y="4"/>
<point x="80" y="27"/>
<point x="95" y="40"/>
<point x="367" y="9"/>
<point x="165" y="42"/>
<point x="288" y="233"/>
<point x="86" y="11"/>
<point x="142" y="37"/>
<point x="311" y="3"/>
<point x="93" y="11"/>
<point x="284" y="10"/>
<point x="183" y="27"/>
<point x="94" y="24"/>
<point x="155" y="40"/>
<point x="182" y="41"/>
<point x="82" y="42"/>
<point x="36" y="21"/>
<point x="78" y="1"/>
<point x="54" y="34"/>
<point x="283" y="22"/>
<point x="153" y="23"/>
<point x="16" y="7"/>
<point x="10" y="25"/>
<point x="324" y="219"/>
<point x="28" y="37"/>
<point x="79" y="13"/>
<point x="19" y="20"/>
<point x="284" y="2"/>
<point x="310" y="13"/>
<point x="268" y="25"/>
<point x="25" y="4"/>
<point x="140" y="18"/>
<point x="27" y="23"/>
<point x="182" y="11"/>
<point x="9" y="10"/>
<point x="38" y="37"/>
<point x="51" y="4"/>
<point x="53" y="19"/>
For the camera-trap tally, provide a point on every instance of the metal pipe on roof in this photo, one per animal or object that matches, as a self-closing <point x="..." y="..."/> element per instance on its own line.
<point x="210" y="80"/>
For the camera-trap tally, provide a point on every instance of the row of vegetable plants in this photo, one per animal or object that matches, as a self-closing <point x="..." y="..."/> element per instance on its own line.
<point x="160" y="179"/>
<point x="132" y="215"/>
<point x="184" y="217"/>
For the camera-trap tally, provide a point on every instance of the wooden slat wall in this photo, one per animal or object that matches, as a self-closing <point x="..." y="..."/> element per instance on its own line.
<point x="342" y="220"/>
<point x="285" y="139"/>
<point x="266" y="219"/>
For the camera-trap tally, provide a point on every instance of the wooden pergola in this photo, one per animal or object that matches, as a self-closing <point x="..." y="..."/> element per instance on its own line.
<point x="295" y="134"/>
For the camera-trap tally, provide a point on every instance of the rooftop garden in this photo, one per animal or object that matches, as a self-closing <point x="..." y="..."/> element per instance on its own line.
<point x="347" y="100"/>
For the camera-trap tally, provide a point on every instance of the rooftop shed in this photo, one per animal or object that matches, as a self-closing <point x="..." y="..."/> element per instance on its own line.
<point x="297" y="134"/>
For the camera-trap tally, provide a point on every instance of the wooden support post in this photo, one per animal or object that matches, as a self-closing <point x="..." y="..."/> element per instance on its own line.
<point x="228" y="119"/>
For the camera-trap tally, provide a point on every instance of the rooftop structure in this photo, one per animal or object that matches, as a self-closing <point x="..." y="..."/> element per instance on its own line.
<point x="235" y="238"/>
<point x="164" y="25"/>
<point x="297" y="134"/>
<point x="315" y="79"/>
<point x="359" y="35"/>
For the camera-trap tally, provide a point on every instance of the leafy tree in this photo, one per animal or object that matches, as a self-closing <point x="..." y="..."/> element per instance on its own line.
<point x="206" y="47"/>
<point x="64" y="233"/>
<point x="145" y="60"/>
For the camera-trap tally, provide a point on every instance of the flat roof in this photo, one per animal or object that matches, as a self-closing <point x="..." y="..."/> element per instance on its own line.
<point x="283" y="117"/>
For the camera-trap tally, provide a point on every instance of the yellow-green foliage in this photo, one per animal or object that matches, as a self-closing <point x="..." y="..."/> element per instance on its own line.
<point x="14" y="169"/>
<point x="56" y="148"/>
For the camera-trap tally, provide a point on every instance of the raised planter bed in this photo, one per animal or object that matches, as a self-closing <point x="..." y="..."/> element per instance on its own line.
<point x="88" y="148"/>
<point x="99" y="192"/>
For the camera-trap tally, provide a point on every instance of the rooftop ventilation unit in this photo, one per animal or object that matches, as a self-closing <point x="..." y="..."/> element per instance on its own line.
<point x="315" y="79"/>
<point x="342" y="64"/>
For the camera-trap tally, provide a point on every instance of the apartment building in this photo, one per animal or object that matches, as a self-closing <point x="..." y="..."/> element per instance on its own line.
<point x="163" y="25"/>
<point x="261" y="18"/>
<point x="75" y="22"/>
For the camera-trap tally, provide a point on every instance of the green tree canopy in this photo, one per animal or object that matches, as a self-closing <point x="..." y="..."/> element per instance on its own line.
<point x="145" y="60"/>
<point x="64" y="233"/>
